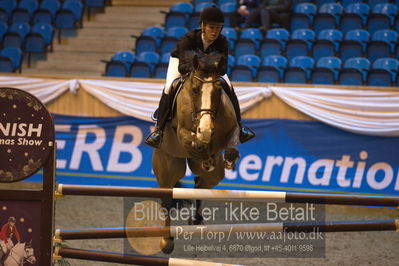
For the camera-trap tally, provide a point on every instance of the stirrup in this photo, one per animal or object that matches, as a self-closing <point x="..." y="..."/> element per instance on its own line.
<point x="154" y="139"/>
<point x="246" y="134"/>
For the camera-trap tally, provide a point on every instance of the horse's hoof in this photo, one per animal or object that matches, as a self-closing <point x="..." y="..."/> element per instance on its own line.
<point x="231" y="158"/>
<point x="167" y="245"/>
<point x="199" y="220"/>
<point x="208" y="165"/>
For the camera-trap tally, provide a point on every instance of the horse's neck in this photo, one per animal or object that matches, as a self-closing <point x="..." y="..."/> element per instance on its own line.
<point x="17" y="253"/>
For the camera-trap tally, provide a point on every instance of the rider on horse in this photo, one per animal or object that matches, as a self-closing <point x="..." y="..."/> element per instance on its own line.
<point x="6" y="234"/>
<point x="205" y="40"/>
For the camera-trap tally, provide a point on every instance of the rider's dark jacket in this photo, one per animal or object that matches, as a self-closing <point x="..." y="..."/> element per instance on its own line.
<point x="191" y="43"/>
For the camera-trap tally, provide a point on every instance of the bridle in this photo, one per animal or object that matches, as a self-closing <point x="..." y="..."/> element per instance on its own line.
<point x="203" y="112"/>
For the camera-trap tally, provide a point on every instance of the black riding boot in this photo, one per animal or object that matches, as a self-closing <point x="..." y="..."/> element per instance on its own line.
<point x="245" y="132"/>
<point x="154" y="139"/>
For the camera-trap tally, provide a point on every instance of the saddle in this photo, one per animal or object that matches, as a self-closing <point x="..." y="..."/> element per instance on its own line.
<point x="175" y="90"/>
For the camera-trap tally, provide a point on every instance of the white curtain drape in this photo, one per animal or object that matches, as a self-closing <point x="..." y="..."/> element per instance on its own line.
<point x="137" y="99"/>
<point x="369" y="112"/>
<point x="360" y="111"/>
<point x="44" y="89"/>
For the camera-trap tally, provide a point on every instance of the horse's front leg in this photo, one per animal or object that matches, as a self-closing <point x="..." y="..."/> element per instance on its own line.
<point x="190" y="141"/>
<point x="198" y="219"/>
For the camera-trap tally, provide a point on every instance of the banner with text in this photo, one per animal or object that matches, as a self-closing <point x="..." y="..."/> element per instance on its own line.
<point x="288" y="155"/>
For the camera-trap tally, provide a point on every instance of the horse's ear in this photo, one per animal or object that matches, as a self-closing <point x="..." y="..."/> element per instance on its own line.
<point x="195" y="62"/>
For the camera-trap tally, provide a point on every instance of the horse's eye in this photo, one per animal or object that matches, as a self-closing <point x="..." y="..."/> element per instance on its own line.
<point x="195" y="90"/>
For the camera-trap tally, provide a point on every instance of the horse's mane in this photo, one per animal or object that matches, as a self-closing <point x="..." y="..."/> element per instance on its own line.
<point x="212" y="63"/>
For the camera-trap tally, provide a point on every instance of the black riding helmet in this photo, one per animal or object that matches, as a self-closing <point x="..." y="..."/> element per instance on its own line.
<point x="211" y="14"/>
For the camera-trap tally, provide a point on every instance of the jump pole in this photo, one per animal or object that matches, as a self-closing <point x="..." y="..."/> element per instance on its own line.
<point x="170" y="231"/>
<point x="227" y="195"/>
<point x="121" y="258"/>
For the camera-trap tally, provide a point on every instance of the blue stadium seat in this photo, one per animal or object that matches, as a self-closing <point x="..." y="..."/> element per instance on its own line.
<point x="383" y="72"/>
<point x="373" y="3"/>
<point x="162" y="67"/>
<point x="172" y="36"/>
<point x="15" y="37"/>
<point x="229" y="10"/>
<point x="272" y="69"/>
<point x="155" y="32"/>
<point x="24" y="11"/>
<point x="382" y="44"/>
<point x="346" y="3"/>
<point x="3" y="30"/>
<point x="39" y="39"/>
<point x="300" y="43"/>
<point x="326" y="70"/>
<point x="178" y="15"/>
<point x="221" y="2"/>
<point x="90" y="5"/>
<point x="245" y="68"/>
<point x="354" y="44"/>
<point x="144" y="65"/>
<point x="354" y="72"/>
<point x="46" y="12"/>
<point x="299" y="70"/>
<point x="274" y="42"/>
<point x="327" y="43"/>
<point x="354" y="17"/>
<point x="146" y="42"/>
<point x="69" y="16"/>
<point x="195" y="16"/>
<point x="6" y="8"/>
<point x="195" y="2"/>
<point x="296" y="2"/>
<point x="231" y="36"/>
<point x="319" y="3"/>
<point x="10" y="59"/>
<point x="328" y="17"/>
<point x="248" y="42"/>
<point x="231" y="61"/>
<point x="302" y="16"/>
<point x="120" y="64"/>
<point x="382" y="17"/>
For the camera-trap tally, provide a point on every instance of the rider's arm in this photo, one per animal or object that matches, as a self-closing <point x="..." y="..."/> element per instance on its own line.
<point x="3" y="233"/>
<point x="172" y="73"/>
<point x="184" y="50"/>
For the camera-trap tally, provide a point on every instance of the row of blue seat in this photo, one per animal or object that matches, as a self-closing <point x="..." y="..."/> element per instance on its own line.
<point x="35" y="39"/>
<point x="332" y="42"/>
<point x="326" y="70"/>
<point x="16" y="35"/>
<point x="330" y="14"/>
<point x="143" y="65"/>
<point x="272" y="69"/>
<point x="316" y="2"/>
<point x="354" y="16"/>
<point x="33" y="11"/>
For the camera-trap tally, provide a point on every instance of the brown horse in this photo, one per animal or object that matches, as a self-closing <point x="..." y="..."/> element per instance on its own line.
<point x="203" y="126"/>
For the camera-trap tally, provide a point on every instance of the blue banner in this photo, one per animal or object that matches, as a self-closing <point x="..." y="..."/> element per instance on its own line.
<point x="287" y="155"/>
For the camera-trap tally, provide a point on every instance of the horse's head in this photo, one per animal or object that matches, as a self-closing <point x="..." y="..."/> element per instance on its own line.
<point x="24" y="253"/>
<point x="206" y="89"/>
